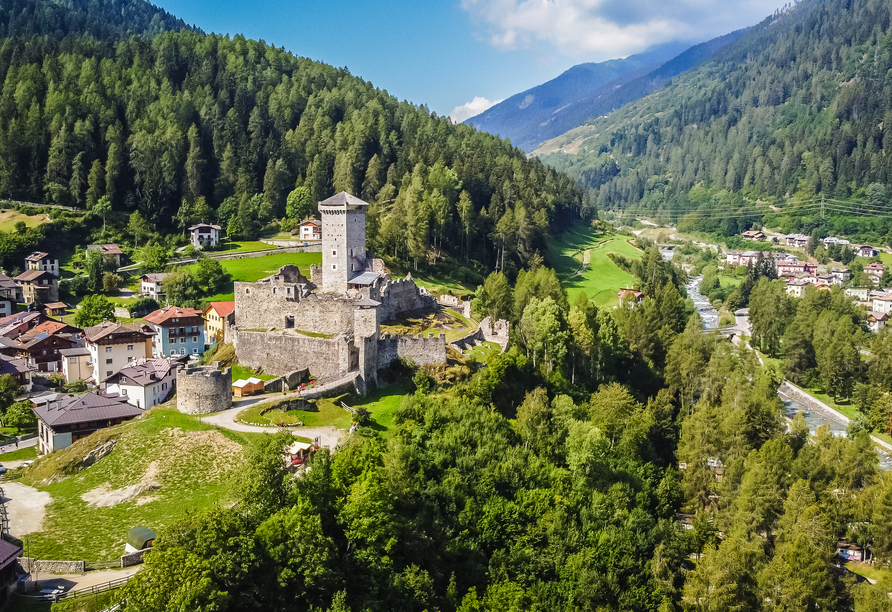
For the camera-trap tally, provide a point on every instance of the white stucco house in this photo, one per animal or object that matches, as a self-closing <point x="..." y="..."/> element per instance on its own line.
<point x="144" y="382"/>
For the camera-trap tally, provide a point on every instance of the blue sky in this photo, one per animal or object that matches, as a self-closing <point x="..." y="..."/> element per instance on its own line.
<point x="447" y="54"/>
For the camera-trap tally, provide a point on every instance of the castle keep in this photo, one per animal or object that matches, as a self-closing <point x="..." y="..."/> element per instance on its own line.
<point x="330" y="321"/>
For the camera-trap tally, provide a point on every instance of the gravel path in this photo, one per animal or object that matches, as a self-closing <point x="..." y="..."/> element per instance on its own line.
<point x="329" y="437"/>
<point x="26" y="507"/>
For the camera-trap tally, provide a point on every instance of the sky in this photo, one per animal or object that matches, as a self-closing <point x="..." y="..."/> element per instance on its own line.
<point x="458" y="57"/>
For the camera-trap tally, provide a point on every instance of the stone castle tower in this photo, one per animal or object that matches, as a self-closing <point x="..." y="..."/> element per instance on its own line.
<point x="343" y="240"/>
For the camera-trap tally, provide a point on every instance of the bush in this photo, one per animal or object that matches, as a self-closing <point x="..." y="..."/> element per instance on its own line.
<point x="143" y="306"/>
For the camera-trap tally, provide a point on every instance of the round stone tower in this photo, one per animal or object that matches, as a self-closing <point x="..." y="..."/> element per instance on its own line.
<point x="204" y="389"/>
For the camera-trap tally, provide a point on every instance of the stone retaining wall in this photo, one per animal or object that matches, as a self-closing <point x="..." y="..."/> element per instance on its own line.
<point x="134" y="558"/>
<point x="51" y="567"/>
<point x="346" y="384"/>
<point x="793" y="392"/>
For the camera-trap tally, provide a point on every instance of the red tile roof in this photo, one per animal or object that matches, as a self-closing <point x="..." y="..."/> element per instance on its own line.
<point x="165" y="314"/>
<point x="223" y="309"/>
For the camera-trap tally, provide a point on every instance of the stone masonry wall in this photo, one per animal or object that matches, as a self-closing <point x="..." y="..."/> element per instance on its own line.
<point x="203" y="389"/>
<point x="498" y="332"/>
<point x="398" y="296"/>
<point x="134" y="558"/>
<point x="267" y="305"/>
<point x="421" y="350"/>
<point x="282" y="353"/>
<point x="52" y="567"/>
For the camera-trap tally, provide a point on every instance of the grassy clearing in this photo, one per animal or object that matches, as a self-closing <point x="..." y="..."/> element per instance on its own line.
<point x="446" y="321"/>
<point x="243" y="246"/>
<point x="381" y="404"/>
<point x="484" y="352"/>
<point x="601" y="279"/>
<point x="443" y="280"/>
<point x="8" y="219"/>
<point x="868" y="571"/>
<point x="254" y="268"/>
<point x="22" y="454"/>
<point x="242" y="372"/>
<point x="164" y="465"/>
<point x="730" y="281"/>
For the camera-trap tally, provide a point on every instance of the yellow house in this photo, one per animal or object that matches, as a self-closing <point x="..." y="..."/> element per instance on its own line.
<point x="216" y="315"/>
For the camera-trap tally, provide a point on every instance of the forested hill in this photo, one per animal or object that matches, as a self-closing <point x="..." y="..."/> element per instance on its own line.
<point x="104" y="19"/>
<point x="189" y="127"/>
<point x="802" y="103"/>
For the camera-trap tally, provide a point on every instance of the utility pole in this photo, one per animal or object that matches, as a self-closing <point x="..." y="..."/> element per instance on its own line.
<point x="822" y="207"/>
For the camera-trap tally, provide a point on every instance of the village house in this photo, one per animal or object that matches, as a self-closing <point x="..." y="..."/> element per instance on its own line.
<point x="310" y="229"/>
<point x="114" y="345"/>
<point x="795" y="268"/>
<point x="883" y="303"/>
<point x="67" y="419"/>
<point x="144" y="383"/>
<point x="39" y="346"/>
<point x="9" y="289"/>
<point x="876" y="320"/>
<point x="797" y="240"/>
<point x="19" y="369"/>
<point x="7" y="307"/>
<point x="859" y="293"/>
<point x="753" y="235"/>
<point x="841" y="275"/>
<point x="9" y="553"/>
<point x="77" y="364"/>
<point x="834" y="240"/>
<point x="178" y="331"/>
<point x="875" y="269"/>
<point x="205" y="235"/>
<point x="796" y="287"/>
<point x="151" y="285"/>
<point x="851" y="551"/>
<point x="42" y="262"/>
<point x="632" y="295"/>
<point x="17" y="324"/>
<point x="109" y="252"/>
<point x="216" y="316"/>
<point x="38" y="286"/>
<point x="865" y="250"/>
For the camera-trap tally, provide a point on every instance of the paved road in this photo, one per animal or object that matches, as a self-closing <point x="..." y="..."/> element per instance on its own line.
<point x="81" y="581"/>
<point x="10" y="446"/>
<point x="329" y="437"/>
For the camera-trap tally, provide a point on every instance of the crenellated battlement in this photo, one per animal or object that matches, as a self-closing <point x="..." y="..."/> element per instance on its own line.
<point x="419" y="349"/>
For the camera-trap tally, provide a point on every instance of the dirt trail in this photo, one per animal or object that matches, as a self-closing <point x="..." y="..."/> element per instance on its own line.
<point x="329" y="437"/>
<point x="26" y="507"/>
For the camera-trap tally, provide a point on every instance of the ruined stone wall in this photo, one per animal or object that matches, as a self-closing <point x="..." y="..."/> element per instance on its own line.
<point x="421" y="350"/>
<point x="497" y="332"/>
<point x="203" y="389"/>
<point x="450" y="301"/>
<point x="399" y="296"/>
<point x="268" y="306"/>
<point x="282" y="353"/>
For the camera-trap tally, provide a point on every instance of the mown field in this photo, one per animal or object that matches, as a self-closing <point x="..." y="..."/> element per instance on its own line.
<point x="601" y="278"/>
<point x="163" y="466"/>
<point x="254" y="268"/>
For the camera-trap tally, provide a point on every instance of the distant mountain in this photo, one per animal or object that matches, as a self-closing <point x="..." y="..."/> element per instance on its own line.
<point x="527" y="118"/>
<point x="800" y="104"/>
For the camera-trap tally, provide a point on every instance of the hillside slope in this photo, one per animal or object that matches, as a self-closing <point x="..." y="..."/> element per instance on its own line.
<point x="537" y="114"/>
<point x="187" y="127"/>
<point x="797" y="104"/>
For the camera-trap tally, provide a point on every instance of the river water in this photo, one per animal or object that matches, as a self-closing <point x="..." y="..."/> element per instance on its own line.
<point x="813" y="418"/>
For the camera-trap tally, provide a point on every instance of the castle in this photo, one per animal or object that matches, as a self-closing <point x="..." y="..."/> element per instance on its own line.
<point x="330" y="321"/>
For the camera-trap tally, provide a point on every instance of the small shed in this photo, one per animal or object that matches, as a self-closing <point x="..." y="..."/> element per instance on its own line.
<point x="140" y="538"/>
<point x="244" y="388"/>
<point x="298" y="453"/>
<point x="55" y="309"/>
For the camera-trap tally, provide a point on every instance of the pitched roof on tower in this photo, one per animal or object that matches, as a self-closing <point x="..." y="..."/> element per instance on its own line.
<point x="343" y="199"/>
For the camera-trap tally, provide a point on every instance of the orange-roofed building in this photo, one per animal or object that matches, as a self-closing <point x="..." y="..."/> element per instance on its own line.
<point x="178" y="331"/>
<point x="216" y="316"/>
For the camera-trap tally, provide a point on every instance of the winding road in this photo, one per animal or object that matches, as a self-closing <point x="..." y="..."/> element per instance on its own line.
<point x="329" y="437"/>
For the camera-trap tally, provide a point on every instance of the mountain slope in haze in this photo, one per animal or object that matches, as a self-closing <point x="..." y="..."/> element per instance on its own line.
<point x="102" y="19"/>
<point x="520" y="118"/>
<point x="800" y="103"/>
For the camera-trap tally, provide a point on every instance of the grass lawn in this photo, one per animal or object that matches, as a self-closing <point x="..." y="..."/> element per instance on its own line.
<point x="242" y="372"/>
<point x="729" y="281"/>
<point x="254" y="268"/>
<point x="868" y="571"/>
<point x="20" y="454"/>
<point x="164" y="465"/>
<point x="329" y="413"/>
<point x="8" y="219"/>
<point x="244" y="246"/>
<point x="446" y="321"/>
<point x="439" y="282"/>
<point x="484" y="352"/>
<point x="601" y="278"/>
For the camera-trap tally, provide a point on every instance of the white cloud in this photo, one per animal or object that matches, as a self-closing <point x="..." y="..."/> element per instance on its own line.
<point x="471" y="109"/>
<point x="600" y="29"/>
